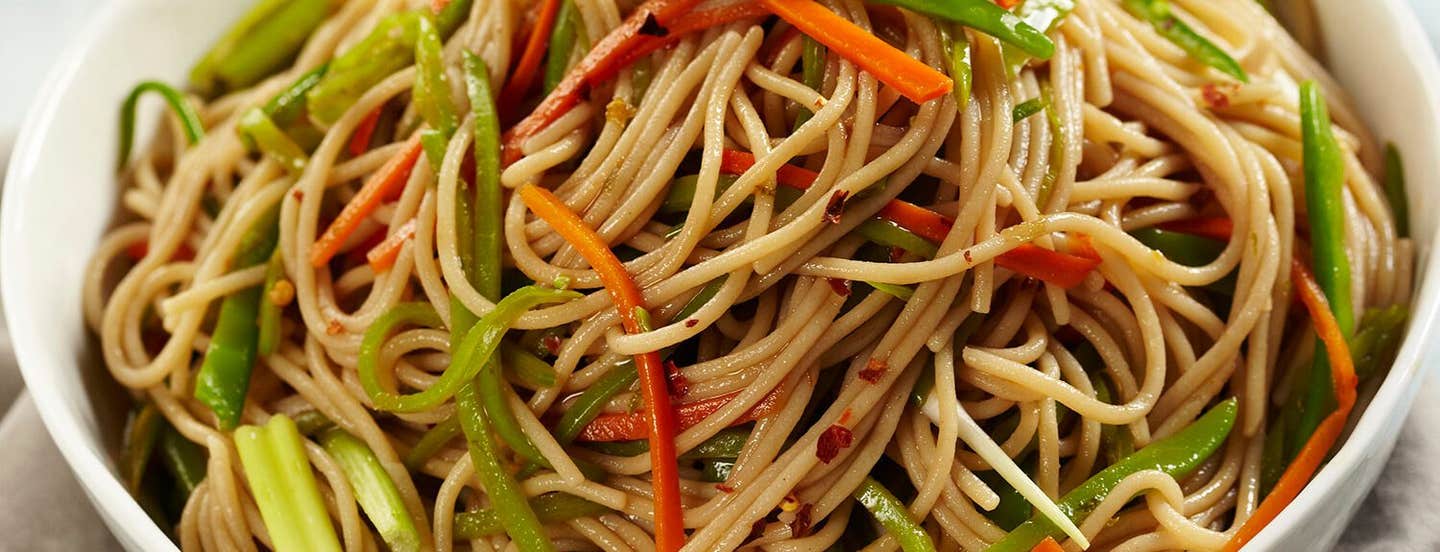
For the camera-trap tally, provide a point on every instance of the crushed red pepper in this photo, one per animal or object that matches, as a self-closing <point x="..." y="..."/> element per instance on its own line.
<point x="840" y="286"/>
<point x="801" y="526"/>
<point x="874" y="370"/>
<point x="834" y="438"/>
<point x="836" y="206"/>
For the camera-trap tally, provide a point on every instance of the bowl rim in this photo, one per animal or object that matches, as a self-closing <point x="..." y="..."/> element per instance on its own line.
<point x="129" y="523"/>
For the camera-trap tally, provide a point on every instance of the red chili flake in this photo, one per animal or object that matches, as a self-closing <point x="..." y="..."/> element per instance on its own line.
<point x="298" y="195"/>
<point x="724" y="488"/>
<point x="845" y="416"/>
<point x="801" y="526"/>
<point x="1214" y="97"/>
<point x="551" y="343"/>
<point x="836" y="437"/>
<point x="334" y="328"/>
<point x="840" y="286"/>
<point x="679" y="386"/>
<point x="967" y="256"/>
<point x="897" y="254"/>
<point x="874" y="370"/>
<point x="691" y="323"/>
<point x="836" y="206"/>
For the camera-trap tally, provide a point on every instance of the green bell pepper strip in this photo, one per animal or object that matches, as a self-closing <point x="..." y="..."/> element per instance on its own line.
<point x="1395" y="190"/>
<point x="1324" y="171"/>
<point x="312" y="422"/>
<point x="903" y="293"/>
<point x="189" y="119"/>
<point x="548" y="508"/>
<point x="1012" y="510"/>
<point x="452" y="16"/>
<point x="524" y="368"/>
<point x="389" y="48"/>
<point x="431" y="442"/>
<point x="258" y="129"/>
<point x="269" y="317"/>
<point x="1380" y="333"/>
<point x="893" y="516"/>
<point x="1188" y="250"/>
<point x="957" y="55"/>
<point x="1274" y="457"/>
<point x="1116" y="443"/>
<point x="374" y="490"/>
<point x="1176" y="455"/>
<point x="682" y="191"/>
<point x="926" y="383"/>
<point x="224" y="375"/>
<point x="812" y="72"/>
<point x="511" y="509"/>
<point x="1027" y="109"/>
<point x="986" y="17"/>
<point x="289" y="105"/>
<point x="889" y="234"/>
<point x="1044" y="15"/>
<point x="716" y="471"/>
<point x="259" y="45"/>
<point x="184" y="459"/>
<point x="431" y="92"/>
<point x="563" y="39"/>
<point x="1157" y="13"/>
<point x="477" y="347"/>
<point x="284" y="487"/>
<point x="140" y="438"/>
<point x="725" y="445"/>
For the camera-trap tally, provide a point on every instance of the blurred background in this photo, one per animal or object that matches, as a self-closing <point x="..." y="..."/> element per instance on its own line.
<point x="1399" y="516"/>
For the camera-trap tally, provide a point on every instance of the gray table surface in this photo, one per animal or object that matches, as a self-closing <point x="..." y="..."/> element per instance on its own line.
<point x="47" y="511"/>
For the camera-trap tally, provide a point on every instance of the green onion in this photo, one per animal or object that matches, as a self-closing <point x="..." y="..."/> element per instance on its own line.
<point x="259" y="129"/>
<point x="189" y="119"/>
<point x="1177" y="455"/>
<point x="1395" y="190"/>
<point x="548" y="508"/>
<point x="957" y="53"/>
<point x="1027" y="109"/>
<point x="280" y="478"/>
<point x="893" y="516"/>
<point x="260" y="44"/>
<point x="224" y="375"/>
<point x="986" y="17"/>
<point x="374" y="490"/>
<point x="1157" y="13"/>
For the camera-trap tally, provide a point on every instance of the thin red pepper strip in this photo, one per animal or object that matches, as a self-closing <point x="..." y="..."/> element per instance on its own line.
<point x="360" y="141"/>
<point x="630" y="426"/>
<point x="1062" y="269"/>
<point x="1300" y="470"/>
<point x="599" y="65"/>
<point x="654" y="390"/>
<point x="522" y="79"/>
<point x="911" y="77"/>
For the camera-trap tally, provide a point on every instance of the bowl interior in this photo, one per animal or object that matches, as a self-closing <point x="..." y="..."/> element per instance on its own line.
<point x="60" y="198"/>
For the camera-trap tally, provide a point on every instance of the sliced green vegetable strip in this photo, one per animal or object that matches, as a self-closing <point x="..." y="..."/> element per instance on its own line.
<point x="202" y="75"/>
<point x="903" y="293"/>
<point x="289" y="105"/>
<point x="1044" y="15"/>
<point x="1157" y="13"/>
<point x="389" y="48"/>
<point x="1057" y="145"/>
<point x="986" y="17"/>
<point x="431" y="442"/>
<point x="280" y="478"/>
<point x="184" y="459"/>
<point x="1027" y="108"/>
<point x="374" y="490"/>
<point x="510" y="506"/>
<point x="224" y="375"/>
<point x="258" y="128"/>
<point x="812" y="72"/>
<point x="270" y="311"/>
<point x="1012" y="509"/>
<point x="1325" y="206"/>
<point x="1395" y="190"/>
<point x="724" y="445"/>
<point x="1188" y="250"/>
<point x="140" y="438"/>
<point x="189" y="119"/>
<point x="889" y="234"/>
<point x="893" y="516"/>
<point x="452" y="16"/>
<point x="563" y="38"/>
<point x="592" y="401"/>
<point x="1116" y="443"/>
<point x="525" y="368"/>
<point x="1380" y="333"/>
<point x="312" y="422"/>
<point x="1176" y="455"/>
<point x="957" y="54"/>
<point x="431" y="93"/>
<point x="261" y="44"/>
<point x="682" y="192"/>
<point x="548" y="508"/>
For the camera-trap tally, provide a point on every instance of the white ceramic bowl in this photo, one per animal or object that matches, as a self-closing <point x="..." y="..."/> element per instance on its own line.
<point x="60" y="196"/>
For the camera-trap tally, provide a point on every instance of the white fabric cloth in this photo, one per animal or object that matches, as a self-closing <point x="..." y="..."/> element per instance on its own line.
<point x="47" y="511"/>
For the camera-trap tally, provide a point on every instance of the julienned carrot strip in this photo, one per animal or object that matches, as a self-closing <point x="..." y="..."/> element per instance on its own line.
<point x="1048" y="545"/>
<point x="1062" y="269"/>
<point x="383" y="255"/>
<point x="522" y="79"/>
<point x="1318" y="446"/>
<point x="630" y="426"/>
<point x="360" y="141"/>
<point x="665" y="476"/>
<point x="1215" y="228"/>
<point x="600" y="64"/>
<point x="912" y="78"/>
<point x="692" y="22"/>
<point x="384" y="183"/>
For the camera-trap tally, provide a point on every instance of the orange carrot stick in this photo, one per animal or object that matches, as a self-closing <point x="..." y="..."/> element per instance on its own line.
<point x="913" y="79"/>
<point x="384" y="183"/>
<point x="383" y="255"/>
<point x="1315" y="450"/>
<point x="1048" y="545"/>
<point x="360" y="141"/>
<point x="522" y="79"/>
<point x="665" y="476"/>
